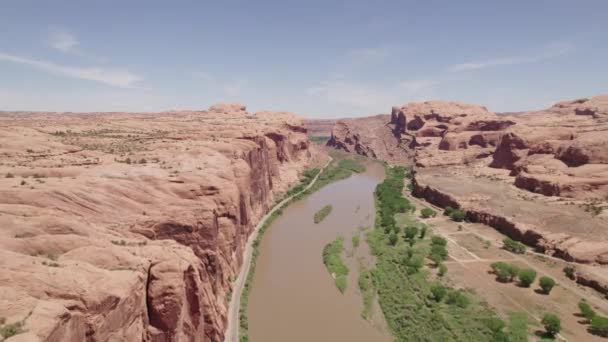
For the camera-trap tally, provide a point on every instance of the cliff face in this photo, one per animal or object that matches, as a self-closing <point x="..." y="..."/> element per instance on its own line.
<point x="130" y="227"/>
<point x="539" y="177"/>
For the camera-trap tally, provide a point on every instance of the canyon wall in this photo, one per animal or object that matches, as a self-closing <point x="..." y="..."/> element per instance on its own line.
<point x="540" y="177"/>
<point x="130" y="226"/>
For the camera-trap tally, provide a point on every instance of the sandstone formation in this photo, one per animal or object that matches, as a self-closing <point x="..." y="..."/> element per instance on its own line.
<point x="130" y="227"/>
<point x="319" y="127"/>
<point x="539" y="177"/>
<point x="372" y="136"/>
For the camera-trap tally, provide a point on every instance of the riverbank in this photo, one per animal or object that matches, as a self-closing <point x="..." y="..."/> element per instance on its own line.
<point x="232" y="330"/>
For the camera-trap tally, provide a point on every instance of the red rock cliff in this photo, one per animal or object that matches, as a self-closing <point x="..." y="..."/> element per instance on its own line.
<point x="130" y="227"/>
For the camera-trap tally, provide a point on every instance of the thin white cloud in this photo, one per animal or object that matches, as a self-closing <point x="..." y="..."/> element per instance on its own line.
<point x="416" y="86"/>
<point x="112" y="77"/>
<point x="371" y="97"/>
<point x="63" y="41"/>
<point x="231" y="88"/>
<point x="547" y="52"/>
<point x="368" y="55"/>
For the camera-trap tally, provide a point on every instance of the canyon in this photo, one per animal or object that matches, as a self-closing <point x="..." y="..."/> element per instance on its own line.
<point x="131" y="226"/>
<point x="539" y="177"/>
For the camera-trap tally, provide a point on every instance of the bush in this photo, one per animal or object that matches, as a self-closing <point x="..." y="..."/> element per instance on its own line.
<point x="427" y="212"/>
<point x="586" y="310"/>
<point x="438" y="291"/>
<point x="447" y="211"/>
<point x="10" y="175"/>
<point x="438" y="240"/>
<point x="442" y="270"/>
<point x="569" y="271"/>
<point x="458" y="298"/>
<point x="546" y="283"/>
<point x="504" y="272"/>
<point x="411" y="232"/>
<point x="458" y="215"/>
<point x="552" y="324"/>
<point x="11" y="330"/>
<point x="526" y="277"/>
<point x="599" y="326"/>
<point x="393" y="238"/>
<point x="422" y="232"/>
<point x="514" y="246"/>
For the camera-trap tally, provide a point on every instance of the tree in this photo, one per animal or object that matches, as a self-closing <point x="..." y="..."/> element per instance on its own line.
<point x="546" y="283"/>
<point x="414" y="264"/>
<point x="514" y="246"/>
<point x="599" y="326"/>
<point x="392" y="239"/>
<point x="411" y="232"/>
<point x="513" y="271"/>
<point x="442" y="270"/>
<point x="586" y="310"/>
<point x="552" y="324"/>
<point x="438" y="240"/>
<point x="526" y="277"/>
<point x="427" y="212"/>
<point x="458" y="215"/>
<point x="438" y="291"/>
<point x="422" y="232"/>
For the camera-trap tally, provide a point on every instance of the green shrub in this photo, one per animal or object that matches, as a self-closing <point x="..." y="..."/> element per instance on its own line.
<point x="438" y="240"/>
<point x="569" y="271"/>
<point x="547" y="284"/>
<point x="552" y="324"/>
<point x="599" y="326"/>
<point x="458" y="298"/>
<point x="447" y="211"/>
<point x="514" y="246"/>
<point x="504" y="272"/>
<point x="458" y="215"/>
<point x="393" y="239"/>
<point x="438" y="291"/>
<point x="526" y="277"/>
<point x="411" y="232"/>
<point x="423" y="230"/>
<point x="586" y="310"/>
<point x="442" y="270"/>
<point x="427" y="212"/>
<point x="11" y="329"/>
<point x="356" y="241"/>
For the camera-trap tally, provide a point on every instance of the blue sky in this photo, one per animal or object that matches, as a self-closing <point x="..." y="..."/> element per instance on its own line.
<point x="319" y="59"/>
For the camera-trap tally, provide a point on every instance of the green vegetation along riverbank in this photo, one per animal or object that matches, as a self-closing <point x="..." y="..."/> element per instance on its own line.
<point x="417" y="304"/>
<point x="332" y="258"/>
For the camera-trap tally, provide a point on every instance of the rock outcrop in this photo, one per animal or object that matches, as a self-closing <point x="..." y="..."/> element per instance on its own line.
<point x="373" y="137"/>
<point x="539" y="177"/>
<point x="130" y="226"/>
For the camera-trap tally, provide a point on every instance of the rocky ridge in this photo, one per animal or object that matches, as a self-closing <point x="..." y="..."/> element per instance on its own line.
<point x="540" y="177"/>
<point x="130" y="226"/>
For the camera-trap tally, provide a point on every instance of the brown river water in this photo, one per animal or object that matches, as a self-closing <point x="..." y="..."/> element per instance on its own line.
<point x="293" y="297"/>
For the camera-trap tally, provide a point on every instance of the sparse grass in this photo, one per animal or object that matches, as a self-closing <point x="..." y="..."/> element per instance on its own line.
<point x="322" y="213"/>
<point x="10" y="330"/>
<point x="334" y="264"/>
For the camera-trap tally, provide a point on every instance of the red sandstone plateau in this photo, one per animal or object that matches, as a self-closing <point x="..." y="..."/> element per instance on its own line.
<point x="130" y="226"/>
<point x="540" y="177"/>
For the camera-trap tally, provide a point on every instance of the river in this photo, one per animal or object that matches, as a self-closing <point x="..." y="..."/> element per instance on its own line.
<point x="293" y="297"/>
